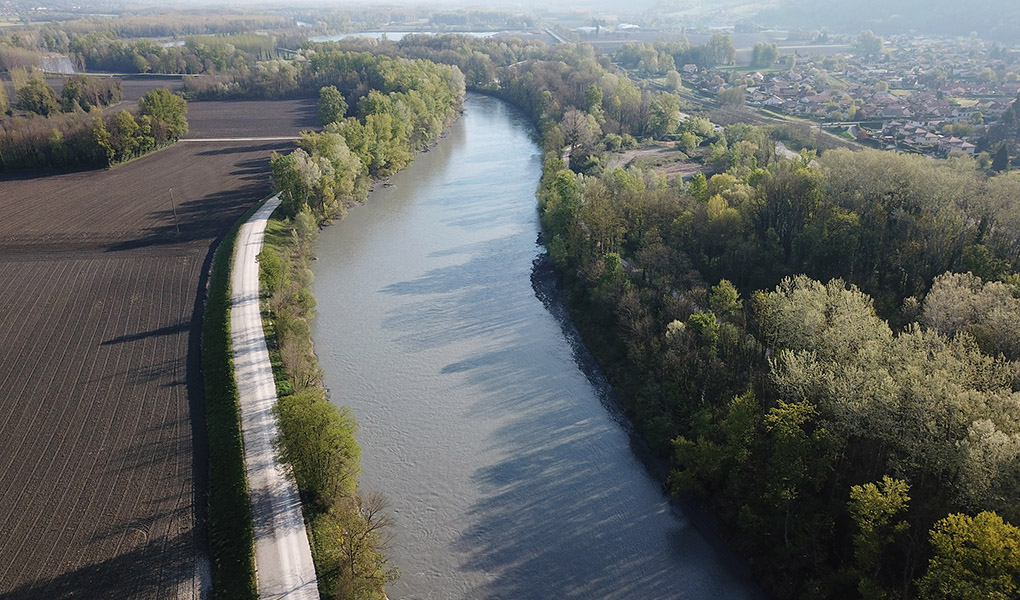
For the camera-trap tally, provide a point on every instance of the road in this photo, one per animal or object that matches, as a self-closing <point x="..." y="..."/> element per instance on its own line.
<point x="283" y="558"/>
<point x="241" y="139"/>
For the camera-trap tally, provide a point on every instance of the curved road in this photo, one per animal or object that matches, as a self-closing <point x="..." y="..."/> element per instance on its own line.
<point x="283" y="558"/>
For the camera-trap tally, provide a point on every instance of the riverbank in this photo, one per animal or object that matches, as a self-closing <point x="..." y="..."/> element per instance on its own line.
<point x="317" y="438"/>
<point x="282" y="557"/>
<point x="549" y="287"/>
<point x="507" y="474"/>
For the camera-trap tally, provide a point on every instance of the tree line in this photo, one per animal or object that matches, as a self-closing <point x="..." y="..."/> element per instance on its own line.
<point x="396" y="108"/>
<point x="857" y="436"/>
<point x="399" y="105"/>
<point x="824" y="347"/>
<point x="88" y="137"/>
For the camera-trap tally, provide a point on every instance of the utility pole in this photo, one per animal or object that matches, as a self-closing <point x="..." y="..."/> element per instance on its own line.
<point x="173" y="205"/>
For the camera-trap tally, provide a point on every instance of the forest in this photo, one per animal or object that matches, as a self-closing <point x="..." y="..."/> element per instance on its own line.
<point x="825" y="347"/>
<point x="72" y="130"/>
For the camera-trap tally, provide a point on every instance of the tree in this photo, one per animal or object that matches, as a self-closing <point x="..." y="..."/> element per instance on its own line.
<point x="975" y="559"/>
<point x="873" y="508"/>
<point x="168" y="112"/>
<point x="37" y="96"/>
<point x="733" y="96"/>
<point x="869" y="44"/>
<point x="665" y="116"/>
<point x="101" y="137"/>
<point x="719" y="50"/>
<point x="332" y="105"/>
<point x="317" y="441"/>
<point x="699" y="187"/>
<point x="1001" y="160"/>
<point x="764" y="55"/>
<point x="580" y="129"/>
<point x="674" y="82"/>
<point x="724" y="300"/>
<point x="124" y="136"/>
<point x="5" y="103"/>
<point x="352" y="537"/>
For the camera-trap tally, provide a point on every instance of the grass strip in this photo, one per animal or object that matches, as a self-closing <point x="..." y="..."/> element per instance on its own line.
<point x="231" y="538"/>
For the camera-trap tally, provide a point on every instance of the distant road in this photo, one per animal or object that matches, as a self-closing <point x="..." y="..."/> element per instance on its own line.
<point x="554" y="36"/>
<point x="283" y="558"/>
<point x="284" y="138"/>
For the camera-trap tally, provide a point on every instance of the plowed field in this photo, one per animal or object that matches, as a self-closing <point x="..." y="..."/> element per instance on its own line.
<point x="102" y="449"/>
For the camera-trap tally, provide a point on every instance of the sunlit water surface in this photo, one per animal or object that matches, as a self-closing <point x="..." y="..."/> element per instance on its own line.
<point x="506" y="469"/>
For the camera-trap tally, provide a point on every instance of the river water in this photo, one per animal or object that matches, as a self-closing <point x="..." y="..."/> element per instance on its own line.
<point x="507" y="470"/>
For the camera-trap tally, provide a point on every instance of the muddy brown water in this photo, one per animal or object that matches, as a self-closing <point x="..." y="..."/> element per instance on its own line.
<point x="509" y="471"/>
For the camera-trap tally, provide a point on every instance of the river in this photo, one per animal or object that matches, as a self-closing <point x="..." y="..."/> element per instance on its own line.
<point x="508" y="471"/>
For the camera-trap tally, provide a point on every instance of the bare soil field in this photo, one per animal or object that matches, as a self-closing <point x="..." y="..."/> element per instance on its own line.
<point x="248" y="118"/>
<point x="103" y="465"/>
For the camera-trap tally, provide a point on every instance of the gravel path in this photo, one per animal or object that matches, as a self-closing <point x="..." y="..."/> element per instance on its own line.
<point x="283" y="558"/>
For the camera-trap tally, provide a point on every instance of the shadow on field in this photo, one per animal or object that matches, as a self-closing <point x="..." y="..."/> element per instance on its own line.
<point x="204" y="218"/>
<point x="134" y="337"/>
<point x="142" y="572"/>
<point x="266" y="147"/>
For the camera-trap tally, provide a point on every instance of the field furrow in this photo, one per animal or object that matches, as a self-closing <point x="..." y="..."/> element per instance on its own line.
<point x="101" y="473"/>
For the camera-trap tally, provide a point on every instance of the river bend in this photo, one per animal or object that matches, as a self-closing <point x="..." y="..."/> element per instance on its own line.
<point x="508" y="475"/>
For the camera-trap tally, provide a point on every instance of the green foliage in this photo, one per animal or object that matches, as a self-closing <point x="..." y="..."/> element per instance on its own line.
<point x="873" y="508"/>
<point x="1000" y="162"/>
<point x="82" y="92"/>
<point x="989" y="312"/>
<point x="349" y="541"/>
<point x="869" y="44"/>
<point x="168" y="112"/>
<point x="665" y="116"/>
<point x="317" y="442"/>
<point x="89" y="139"/>
<point x="332" y="106"/>
<point x="698" y="187"/>
<point x="975" y="558"/>
<point x="231" y="540"/>
<point x="724" y="300"/>
<point x="841" y="396"/>
<point x="273" y="271"/>
<point x="37" y="96"/>
<point x="764" y="55"/>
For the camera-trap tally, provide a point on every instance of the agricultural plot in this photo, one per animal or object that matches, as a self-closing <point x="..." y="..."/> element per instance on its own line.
<point x="103" y="465"/>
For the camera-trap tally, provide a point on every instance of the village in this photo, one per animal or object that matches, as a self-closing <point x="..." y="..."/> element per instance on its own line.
<point x="918" y="94"/>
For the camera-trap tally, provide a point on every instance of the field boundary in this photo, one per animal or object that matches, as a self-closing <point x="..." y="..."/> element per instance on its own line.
<point x="283" y="557"/>
<point x="231" y="537"/>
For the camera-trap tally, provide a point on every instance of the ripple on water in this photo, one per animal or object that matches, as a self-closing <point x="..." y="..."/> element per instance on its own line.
<point x="504" y="462"/>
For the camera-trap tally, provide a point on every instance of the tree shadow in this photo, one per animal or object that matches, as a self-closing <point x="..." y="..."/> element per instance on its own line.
<point x="134" y="337"/>
<point x="142" y="572"/>
<point x="200" y="219"/>
<point x="566" y="509"/>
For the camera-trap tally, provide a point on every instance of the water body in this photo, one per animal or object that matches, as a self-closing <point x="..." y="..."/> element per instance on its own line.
<point x="508" y="472"/>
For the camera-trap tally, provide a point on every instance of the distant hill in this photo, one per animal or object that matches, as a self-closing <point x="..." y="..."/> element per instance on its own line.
<point x="990" y="19"/>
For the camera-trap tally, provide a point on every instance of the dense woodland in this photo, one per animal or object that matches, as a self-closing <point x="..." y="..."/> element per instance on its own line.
<point x="71" y="130"/>
<point x="397" y="107"/>
<point x="825" y="346"/>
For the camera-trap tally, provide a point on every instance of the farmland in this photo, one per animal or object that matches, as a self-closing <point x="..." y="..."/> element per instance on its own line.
<point x="104" y="461"/>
